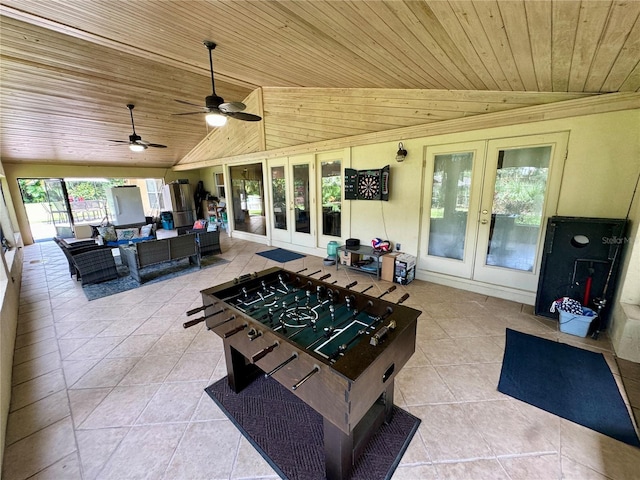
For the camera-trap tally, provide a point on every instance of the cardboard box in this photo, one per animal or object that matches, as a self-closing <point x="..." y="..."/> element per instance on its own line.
<point x="405" y="269"/>
<point x="349" y="258"/>
<point x="388" y="266"/>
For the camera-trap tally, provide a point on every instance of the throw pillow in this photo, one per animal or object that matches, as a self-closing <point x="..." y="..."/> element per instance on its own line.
<point x="127" y="233"/>
<point x="145" y="230"/>
<point x="108" y="233"/>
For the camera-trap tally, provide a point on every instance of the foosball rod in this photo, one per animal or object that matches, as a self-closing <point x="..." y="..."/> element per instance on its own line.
<point x="283" y="364"/>
<point x="389" y="290"/>
<point x="402" y="298"/>
<point x="196" y="321"/>
<point x="315" y="370"/>
<point x="232" y="317"/>
<point x="235" y="330"/>
<point x="300" y="271"/>
<point x="193" y="311"/>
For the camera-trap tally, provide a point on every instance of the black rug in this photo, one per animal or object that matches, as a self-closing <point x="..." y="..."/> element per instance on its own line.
<point x="280" y="255"/>
<point x="567" y="381"/>
<point x="289" y="434"/>
<point x="151" y="274"/>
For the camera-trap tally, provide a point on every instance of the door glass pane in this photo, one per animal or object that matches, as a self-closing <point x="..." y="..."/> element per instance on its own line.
<point x="450" y="204"/>
<point x="518" y="199"/>
<point x="278" y="192"/>
<point x="331" y="185"/>
<point x="57" y="197"/>
<point x="301" y="198"/>
<point x="247" y="198"/>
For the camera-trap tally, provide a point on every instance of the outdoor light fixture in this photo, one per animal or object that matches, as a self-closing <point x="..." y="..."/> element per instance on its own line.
<point x="216" y="120"/>
<point x="402" y="153"/>
<point x="136" y="147"/>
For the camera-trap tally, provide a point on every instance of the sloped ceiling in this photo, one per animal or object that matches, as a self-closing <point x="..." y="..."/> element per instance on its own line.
<point x="69" y="67"/>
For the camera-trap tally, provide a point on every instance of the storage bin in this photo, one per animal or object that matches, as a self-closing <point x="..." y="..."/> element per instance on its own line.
<point x="577" y="325"/>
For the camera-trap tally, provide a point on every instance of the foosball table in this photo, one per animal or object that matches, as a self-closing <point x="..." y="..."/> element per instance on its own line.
<point x="337" y="349"/>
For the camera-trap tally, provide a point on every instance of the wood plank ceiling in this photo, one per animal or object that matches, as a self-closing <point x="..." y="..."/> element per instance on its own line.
<point x="69" y="67"/>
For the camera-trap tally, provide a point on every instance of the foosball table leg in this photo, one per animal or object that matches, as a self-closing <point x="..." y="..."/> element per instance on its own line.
<point x="338" y="452"/>
<point x="240" y="372"/>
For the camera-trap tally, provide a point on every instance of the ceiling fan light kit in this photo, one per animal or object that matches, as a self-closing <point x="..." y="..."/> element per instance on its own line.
<point x="136" y="144"/>
<point x="216" y="109"/>
<point x="137" y="147"/>
<point x="216" y="120"/>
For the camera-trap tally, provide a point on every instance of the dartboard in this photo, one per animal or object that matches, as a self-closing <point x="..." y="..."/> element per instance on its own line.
<point x="369" y="186"/>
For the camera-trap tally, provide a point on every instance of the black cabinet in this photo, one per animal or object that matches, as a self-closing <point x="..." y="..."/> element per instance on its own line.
<point x="580" y="260"/>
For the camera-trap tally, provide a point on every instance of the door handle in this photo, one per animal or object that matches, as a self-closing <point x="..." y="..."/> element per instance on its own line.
<point x="484" y="212"/>
<point x="483" y="221"/>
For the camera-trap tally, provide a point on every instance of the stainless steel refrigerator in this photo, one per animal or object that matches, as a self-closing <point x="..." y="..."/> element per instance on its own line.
<point x="178" y="198"/>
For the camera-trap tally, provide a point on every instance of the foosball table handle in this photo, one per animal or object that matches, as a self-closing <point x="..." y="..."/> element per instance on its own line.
<point x="383" y="332"/>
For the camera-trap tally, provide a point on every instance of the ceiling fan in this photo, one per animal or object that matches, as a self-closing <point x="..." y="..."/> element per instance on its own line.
<point x="135" y="142"/>
<point x="216" y="109"/>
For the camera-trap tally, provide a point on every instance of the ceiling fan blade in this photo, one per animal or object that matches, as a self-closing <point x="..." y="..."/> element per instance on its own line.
<point x="188" y="103"/>
<point x="247" y="117"/>
<point x="156" y="145"/>
<point x="120" y="141"/>
<point x="229" y="107"/>
<point x="190" y="113"/>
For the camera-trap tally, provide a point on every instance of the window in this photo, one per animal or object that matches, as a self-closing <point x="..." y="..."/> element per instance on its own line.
<point x="154" y="192"/>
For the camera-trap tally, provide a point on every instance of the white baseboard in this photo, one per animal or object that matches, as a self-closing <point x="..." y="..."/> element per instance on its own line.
<point x="506" y="293"/>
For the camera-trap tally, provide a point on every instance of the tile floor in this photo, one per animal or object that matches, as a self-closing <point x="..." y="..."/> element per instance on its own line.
<point x="113" y="388"/>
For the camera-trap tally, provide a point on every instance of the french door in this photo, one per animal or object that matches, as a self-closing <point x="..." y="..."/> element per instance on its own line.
<point x="485" y="204"/>
<point x="292" y="214"/>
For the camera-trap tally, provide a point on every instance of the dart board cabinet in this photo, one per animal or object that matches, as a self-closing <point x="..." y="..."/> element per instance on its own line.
<point x="372" y="184"/>
<point x="337" y="349"/>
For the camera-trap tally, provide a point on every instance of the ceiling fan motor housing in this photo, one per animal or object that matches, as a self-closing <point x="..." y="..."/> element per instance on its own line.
<point x="213" y="101"/>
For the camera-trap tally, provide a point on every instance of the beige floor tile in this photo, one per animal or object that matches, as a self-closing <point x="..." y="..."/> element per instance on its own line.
<point x="67" y="468"/>
<point x="508" y="431"/>
<point x="194" y="366"/>
<point x="36" y="452"/>
<point x="121" y="407"/>
<point x="35" y="336"/>
<point x="598" y="452"/>
<point x="448" y="434"/>
<point x="36" y="389"/>
<point x="33" y="351"/>
<point x="172" y="343"/>
<point x="35" y="368"/>
<point x="144" y="452"/>
<point x="134" y="346"/>
<point x="207" y="409"/>
<point x="415" y="472"/>
<point x="96" y="348"/>
<point x="96" y="446"/>
<point x="572" y="470"/>
<point x="422" y="385"/>
<point x="250" y="464"/>
<point x="193" y="456"/>
<point x="173" y="402"/>
<point x="416" y="452"/>
<point x="470" y="382"/>
<point x="472" y="470"/>
<point x="151" y="369"/>
<point x="533" y="467"/>
<point x="36" y="416"/>
<point x="69" y="345"/>
<point x="460" y="327"/>
<point x="83" y="402"/>
<point x="108" y="372"/>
